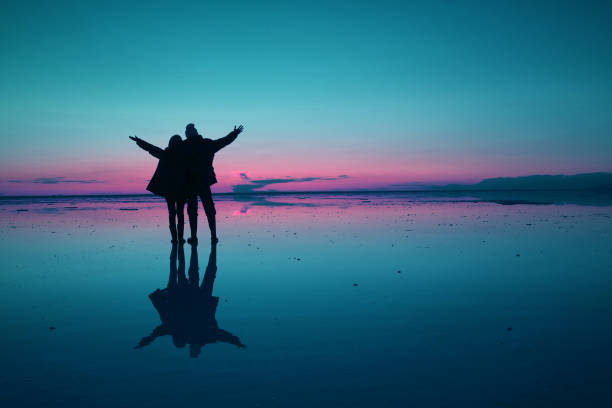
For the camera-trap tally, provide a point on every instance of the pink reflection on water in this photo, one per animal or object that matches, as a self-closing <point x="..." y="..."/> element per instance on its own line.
<point x="314" y="211"/>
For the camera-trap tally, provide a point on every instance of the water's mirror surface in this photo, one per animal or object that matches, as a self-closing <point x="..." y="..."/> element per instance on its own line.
<point x="331" y="300"/>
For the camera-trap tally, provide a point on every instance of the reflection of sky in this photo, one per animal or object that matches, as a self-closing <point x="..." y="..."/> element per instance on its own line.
<point x="285" y="283"/>
<point x="384" y="92"/>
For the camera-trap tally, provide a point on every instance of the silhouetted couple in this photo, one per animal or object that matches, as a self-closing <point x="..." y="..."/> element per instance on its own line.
<point x="184" y="173"/>
<point x="187" y="308"/>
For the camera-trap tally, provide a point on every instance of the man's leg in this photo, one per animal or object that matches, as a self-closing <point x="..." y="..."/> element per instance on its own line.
<point x="209" y="209"/>
<point x="192" y="212"/>
<point x="211" y="272"/>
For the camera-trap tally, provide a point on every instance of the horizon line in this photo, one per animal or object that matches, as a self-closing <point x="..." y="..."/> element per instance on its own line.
<point x="318" y="192"/>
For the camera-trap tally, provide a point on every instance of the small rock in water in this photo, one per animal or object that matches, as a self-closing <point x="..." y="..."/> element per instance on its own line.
<point x="51" y="328"/>
<point x="355" y="284"/>
<point x="399" y="271"/>
<point x="518" y="254"/>
<point x="509" y="329"/>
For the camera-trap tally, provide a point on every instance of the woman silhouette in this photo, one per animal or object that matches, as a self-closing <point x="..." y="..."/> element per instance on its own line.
<point x="168" y="181"/>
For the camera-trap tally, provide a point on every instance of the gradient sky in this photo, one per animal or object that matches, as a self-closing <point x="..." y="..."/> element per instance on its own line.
<point x="379" y="93"/>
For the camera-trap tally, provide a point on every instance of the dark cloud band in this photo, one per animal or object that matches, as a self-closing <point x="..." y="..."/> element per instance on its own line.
<point x="255" y="184"/>
<point x="56" y="180"/>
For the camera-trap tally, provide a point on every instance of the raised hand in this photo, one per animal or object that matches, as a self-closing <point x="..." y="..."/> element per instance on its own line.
<point x="238" y="129"/>
<point x="134" y="138"/>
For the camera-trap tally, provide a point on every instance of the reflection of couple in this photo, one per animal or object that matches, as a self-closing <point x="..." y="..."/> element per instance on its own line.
<point x="187" y="308"/>
<point x="184" y="173"/>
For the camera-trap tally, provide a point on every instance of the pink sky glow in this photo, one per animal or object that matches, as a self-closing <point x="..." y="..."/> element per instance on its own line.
<point x="131" y="176"/>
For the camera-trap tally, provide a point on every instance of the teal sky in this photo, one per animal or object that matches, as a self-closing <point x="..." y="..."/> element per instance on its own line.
<point x="383" y="92"/>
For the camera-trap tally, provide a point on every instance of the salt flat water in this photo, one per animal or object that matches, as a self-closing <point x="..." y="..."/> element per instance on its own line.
<point x="361" y="300"/>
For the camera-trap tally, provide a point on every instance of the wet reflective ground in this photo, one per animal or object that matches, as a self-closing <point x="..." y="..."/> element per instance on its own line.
<point x="326" y="300"/>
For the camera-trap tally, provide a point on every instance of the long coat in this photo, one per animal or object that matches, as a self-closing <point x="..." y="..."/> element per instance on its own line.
<point x="199" y="153"/>
<point x="169" y="179"/>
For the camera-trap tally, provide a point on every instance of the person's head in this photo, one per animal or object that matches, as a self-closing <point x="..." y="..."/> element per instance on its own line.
<point x="190" y="131"/>
<point x="174" y="142"/>
<point x="194" y="350"/>
<point x="179" y="340"/>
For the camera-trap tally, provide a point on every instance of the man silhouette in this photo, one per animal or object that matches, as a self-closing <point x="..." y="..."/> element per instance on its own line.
<point x="199" y="154"/>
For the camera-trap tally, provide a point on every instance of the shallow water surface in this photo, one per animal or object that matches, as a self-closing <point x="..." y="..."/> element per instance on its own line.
<point x="329" y="300"/>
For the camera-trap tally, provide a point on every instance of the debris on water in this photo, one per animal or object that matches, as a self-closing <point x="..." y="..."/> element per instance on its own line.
<point x="51" y="328"/>
<point x="22" y="210"/>
<point x="128" y="209"/>
<point x="399" y="271"/>
<point x="355" y="284"/>
<point x="518" y="254"/>
<point x="509" y="329"/>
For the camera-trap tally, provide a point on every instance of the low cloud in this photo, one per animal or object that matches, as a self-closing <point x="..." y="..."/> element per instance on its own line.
<point x="254" y="184"/>
<point x="56" y="180"/>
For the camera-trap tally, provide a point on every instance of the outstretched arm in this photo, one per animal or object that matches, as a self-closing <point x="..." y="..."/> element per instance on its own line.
<point x="227" y="337"/>
<point x="157" y="332"/>
<point x="152" y="149"/>
<point x="224" y="141"/>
